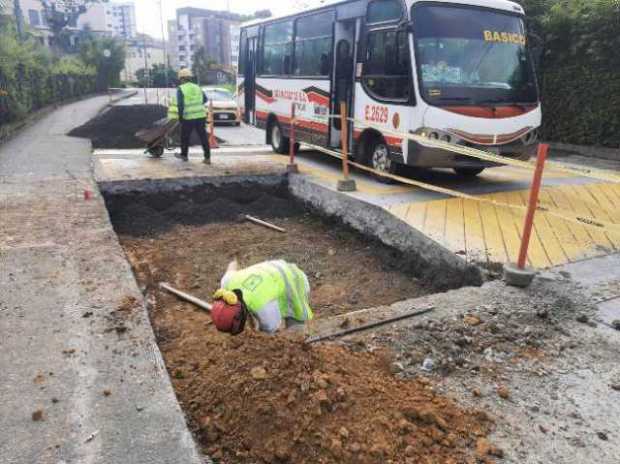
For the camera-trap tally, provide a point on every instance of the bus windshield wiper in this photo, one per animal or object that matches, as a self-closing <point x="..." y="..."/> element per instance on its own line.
<point x="467" y="99"/>
<point x="493" y="100"/>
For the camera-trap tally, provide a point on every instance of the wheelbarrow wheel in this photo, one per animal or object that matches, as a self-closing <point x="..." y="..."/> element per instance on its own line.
<point x="156" y="152"/>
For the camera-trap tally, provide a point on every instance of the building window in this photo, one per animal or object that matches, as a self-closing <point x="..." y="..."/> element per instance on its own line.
<point x="313" y="45"/>
<point x="181" y="48"/>
<point x="277" y="49"/>
<point x="387" y="69"/>
<point x="381" y="11"/>
<point x="33" y="17"/>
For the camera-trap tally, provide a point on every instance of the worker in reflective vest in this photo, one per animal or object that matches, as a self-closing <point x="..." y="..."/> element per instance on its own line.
<point x="173" y="109"/>
<point x="190" y="104"/>
<point x="274" y="294"/>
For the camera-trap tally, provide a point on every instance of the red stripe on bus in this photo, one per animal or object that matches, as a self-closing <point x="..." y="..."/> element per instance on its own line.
<point x="393" y="141"/>
<point x="302" y="123"/>
<point x="314" y="97"/>
<point x="265" y="97"/>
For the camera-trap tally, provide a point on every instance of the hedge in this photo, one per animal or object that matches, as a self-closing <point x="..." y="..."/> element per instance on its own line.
<point x="31" y="77"/>
<point x="580" y="69"/>
<point x="581" y="106"/>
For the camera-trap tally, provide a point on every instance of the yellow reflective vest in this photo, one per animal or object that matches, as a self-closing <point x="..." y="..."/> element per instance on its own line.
<point x="274" y="280"/>
<point x="193" y="104"/>
<point x="173" y="109"/>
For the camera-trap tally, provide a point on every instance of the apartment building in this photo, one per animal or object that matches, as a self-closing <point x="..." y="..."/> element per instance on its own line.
<point x="216" y="31"/>
<point x="142" y="52"/>
<point x="109" y="19"/>
<point x="121" y="19"/>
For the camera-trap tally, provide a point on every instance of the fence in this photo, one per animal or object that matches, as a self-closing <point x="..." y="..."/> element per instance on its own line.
<point x="31" y="91"/>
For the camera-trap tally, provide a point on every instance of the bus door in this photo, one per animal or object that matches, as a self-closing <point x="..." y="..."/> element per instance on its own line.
<point x="250" y="81"/>
<point x="343" y="77"/>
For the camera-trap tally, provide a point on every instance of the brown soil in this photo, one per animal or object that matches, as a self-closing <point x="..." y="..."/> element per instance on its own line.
<point x="273" y="399"/>
<point x="170" y="242"/>
<point x="194" y="258"/>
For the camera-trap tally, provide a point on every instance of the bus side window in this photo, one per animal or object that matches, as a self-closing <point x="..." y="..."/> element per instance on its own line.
<point x="277" y="49"/>
<point x="387" y="71"/>
<point x="313" y="43"/>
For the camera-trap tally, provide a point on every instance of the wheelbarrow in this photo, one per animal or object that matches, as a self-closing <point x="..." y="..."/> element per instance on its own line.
<point x="159" y="137"/>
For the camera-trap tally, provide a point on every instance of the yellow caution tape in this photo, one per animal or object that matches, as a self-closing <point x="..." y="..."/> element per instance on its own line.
<point x="599" y="174"/>
<point x="581" y="220"/>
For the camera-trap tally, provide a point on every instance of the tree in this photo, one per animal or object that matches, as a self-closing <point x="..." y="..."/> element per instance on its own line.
<point x="202" y="64"/>
<point x="159" y="76"/>
<point x="107" y="56"/>
<point x="263" y="14"/>
<point x="61" y="14"/>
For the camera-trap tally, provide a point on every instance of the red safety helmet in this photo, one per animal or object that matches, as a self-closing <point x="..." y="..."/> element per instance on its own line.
<point x="229" y="318"/>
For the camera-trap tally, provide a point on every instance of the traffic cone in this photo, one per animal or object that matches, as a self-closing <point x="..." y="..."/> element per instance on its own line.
<point x="212" y="139"/>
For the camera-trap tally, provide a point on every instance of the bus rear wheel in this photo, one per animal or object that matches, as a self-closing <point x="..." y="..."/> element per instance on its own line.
<point x="379" y="159"/>
<point x="279" y="143"/>
<point x="468" y="172"/>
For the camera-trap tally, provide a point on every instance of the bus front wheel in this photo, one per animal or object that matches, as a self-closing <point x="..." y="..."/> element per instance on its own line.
<point x="279" y="143"/>
<point x="379" y="159"/>
<point x="468" y="172"/>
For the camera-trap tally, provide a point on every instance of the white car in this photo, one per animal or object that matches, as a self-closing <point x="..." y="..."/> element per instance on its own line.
<point x="225" y="108"/>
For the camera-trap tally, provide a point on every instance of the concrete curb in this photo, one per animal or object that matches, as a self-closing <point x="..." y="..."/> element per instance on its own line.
<point x="181" y="183"/>
<point x="17" y="127"/>
<point x="612" y="154"/>
<point x="429" y="259"/>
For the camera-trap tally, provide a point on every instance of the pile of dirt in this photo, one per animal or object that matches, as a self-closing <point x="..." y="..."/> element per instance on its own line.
<point x="256" y="398"/>
<point x="116" y="127"/>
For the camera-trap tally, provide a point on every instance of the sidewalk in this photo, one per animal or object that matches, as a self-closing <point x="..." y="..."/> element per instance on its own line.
<point x="77" y="347"/>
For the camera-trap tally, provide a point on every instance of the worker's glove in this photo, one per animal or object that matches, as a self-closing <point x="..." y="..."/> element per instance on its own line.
<point x="229" y="297"/>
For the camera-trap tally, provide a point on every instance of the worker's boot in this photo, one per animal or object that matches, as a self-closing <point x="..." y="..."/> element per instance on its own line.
<point x="181" y="157"/>
<point x="207" y="154"/>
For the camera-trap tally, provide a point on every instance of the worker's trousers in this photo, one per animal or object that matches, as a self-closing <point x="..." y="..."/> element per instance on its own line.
<point x="187" y="127"/>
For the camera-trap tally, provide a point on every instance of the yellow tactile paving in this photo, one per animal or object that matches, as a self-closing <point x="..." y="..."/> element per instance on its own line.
<point x="485" y="232"/>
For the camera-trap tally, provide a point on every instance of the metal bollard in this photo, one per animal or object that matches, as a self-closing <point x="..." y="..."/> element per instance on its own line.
<point x="292" y="167"/>
<point x="543" y="149"/>
<point x="346" y="184"/>
<point x="520" y="275"/>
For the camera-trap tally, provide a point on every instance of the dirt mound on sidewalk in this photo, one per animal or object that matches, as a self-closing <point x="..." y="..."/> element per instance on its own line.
<point x="272" y="399"/>
<point x="116" y="127"/>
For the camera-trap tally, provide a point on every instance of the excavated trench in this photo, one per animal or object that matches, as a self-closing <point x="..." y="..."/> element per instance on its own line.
<point x="188" y="237"/>
<point x="257" y="398"/>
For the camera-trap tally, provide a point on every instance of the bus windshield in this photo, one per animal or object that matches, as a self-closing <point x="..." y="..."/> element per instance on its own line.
<point x="472" y="56"/>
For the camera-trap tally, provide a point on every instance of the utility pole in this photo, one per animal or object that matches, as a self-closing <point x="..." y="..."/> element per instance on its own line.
<point x="19" y="19"/>
<point x="163" y="41"/>
<point x="147" y="72"/>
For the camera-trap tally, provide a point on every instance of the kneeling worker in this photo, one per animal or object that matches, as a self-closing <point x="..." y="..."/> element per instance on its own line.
<point x="274" y="294"/>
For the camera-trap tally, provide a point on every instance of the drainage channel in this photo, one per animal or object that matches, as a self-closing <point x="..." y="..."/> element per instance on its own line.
<point x="259" y="398"/>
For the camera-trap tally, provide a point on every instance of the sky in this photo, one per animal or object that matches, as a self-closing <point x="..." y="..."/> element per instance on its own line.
<point x="149" y="20"/>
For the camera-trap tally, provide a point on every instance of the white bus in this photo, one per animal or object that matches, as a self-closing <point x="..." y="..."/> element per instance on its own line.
<point x="454" y="70"/>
